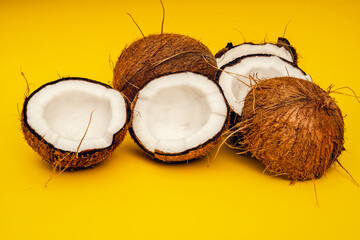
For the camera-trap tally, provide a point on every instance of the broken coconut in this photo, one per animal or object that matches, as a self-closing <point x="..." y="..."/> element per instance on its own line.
<point x="179" y="117"/>
<point x="157" y="55"/>
<point x="282" y="49"/>
<point x="292" y="126"/>
<point x="237" y="77"/>
<point x="179" y="111"/>
<point x="74" y="122"/>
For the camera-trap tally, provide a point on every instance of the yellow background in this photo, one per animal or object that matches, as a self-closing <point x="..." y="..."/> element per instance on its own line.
<point x="131" y="196"/>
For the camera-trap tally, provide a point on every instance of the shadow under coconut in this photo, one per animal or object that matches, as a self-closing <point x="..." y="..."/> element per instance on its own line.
<point x="252" y="161"/>
<point x="249" y="161"/>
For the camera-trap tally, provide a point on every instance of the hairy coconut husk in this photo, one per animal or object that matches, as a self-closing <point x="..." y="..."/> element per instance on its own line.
<point x="160" y="54"/>
<point x="69" y="160"/>
<point x="229" y="46"/>
<point x="293" y="127"/>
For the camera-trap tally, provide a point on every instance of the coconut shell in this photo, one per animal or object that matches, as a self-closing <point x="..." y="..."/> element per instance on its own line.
<point x="67" y="159"/>
<point x="190" y="154"/>
<point x="157" y="55"/>
<point x="293" y="127"/>
<point x="281" y="42"/>
<point x="225" y="49"/>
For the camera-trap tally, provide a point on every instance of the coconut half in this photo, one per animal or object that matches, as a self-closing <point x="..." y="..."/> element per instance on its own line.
<point x="75" y="122"/>
<point x="179" y="117"/>
<point x="237" y="77"/>
<point x="282" y="49"/>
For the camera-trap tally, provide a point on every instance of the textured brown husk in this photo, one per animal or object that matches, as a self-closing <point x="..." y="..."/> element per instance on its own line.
<point x="225" y="49"/>
<point x="191" y="154"/>
<point x="293" y="127"/>
<point x="66" y="159"/>
<point x="157" y="55"/>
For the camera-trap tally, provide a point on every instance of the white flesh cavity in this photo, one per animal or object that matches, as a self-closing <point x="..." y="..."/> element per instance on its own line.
<point x="250" y="49"/>
<point x="60" y="113"/>
<point x="235" y="81"/>
<point x="178" y="112"/>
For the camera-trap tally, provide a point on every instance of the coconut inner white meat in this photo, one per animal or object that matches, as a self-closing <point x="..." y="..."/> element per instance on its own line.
<point x="178" y="112"/>
<point x="235" y="80"/>
<point x="250" y="49"/>
<point x="61" y="113"/>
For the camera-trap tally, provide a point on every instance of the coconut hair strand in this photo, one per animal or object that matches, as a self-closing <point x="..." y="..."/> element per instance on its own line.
<point x="163" y="17"/>
<point x="352" y="178"/>
<point x="27" y="91"/>
<point x="337" y="91"/>
<point x="82" y="139"/>
<point x="286" y="26"/>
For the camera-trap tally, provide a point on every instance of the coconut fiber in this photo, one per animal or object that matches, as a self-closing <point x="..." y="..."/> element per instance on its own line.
<point x="293" y="127"/>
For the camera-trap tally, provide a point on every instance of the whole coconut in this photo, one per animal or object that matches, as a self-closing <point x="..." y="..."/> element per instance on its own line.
<point x="160" y="54"/>
<point x="293" y="127"/>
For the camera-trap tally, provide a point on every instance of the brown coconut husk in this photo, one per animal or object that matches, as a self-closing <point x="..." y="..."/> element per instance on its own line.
<point x="293" y="127"/>
<point x="190" y="154"/>
<point x="160" y="54"/>
<point x="67" y="160"/>
<point x="283" y="42"/>
<point x="222" y="51"/>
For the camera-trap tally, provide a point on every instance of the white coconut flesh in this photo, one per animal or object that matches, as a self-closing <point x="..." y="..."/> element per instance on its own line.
<point x="235" y="80"/>
<point x="178" y="112"/>
<point x="60" y="113"/>
<point x="251" y="49"/>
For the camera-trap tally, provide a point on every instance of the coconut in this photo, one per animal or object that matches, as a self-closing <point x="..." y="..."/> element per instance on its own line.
<point x="282" y="49"/>
<point x="179" y="117"/>
<point x="157" y="55"/>
<point x="293" y="127"/>
<point x="75" y="122"/>
<point x="237" y="77"/>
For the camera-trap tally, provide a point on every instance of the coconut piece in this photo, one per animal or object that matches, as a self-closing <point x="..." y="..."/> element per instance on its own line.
<point x="283" y="42"/>
<point x="179" y="117"/>
<point x="157" y="55"/>
<point x="236" y="79"/>
<point x="293" y="127"/>
<point x="75" y="122"/>
<point x="282" y="49"/>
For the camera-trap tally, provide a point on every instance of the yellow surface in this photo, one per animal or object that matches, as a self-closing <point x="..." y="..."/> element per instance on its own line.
<point x="133" y="197"/>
